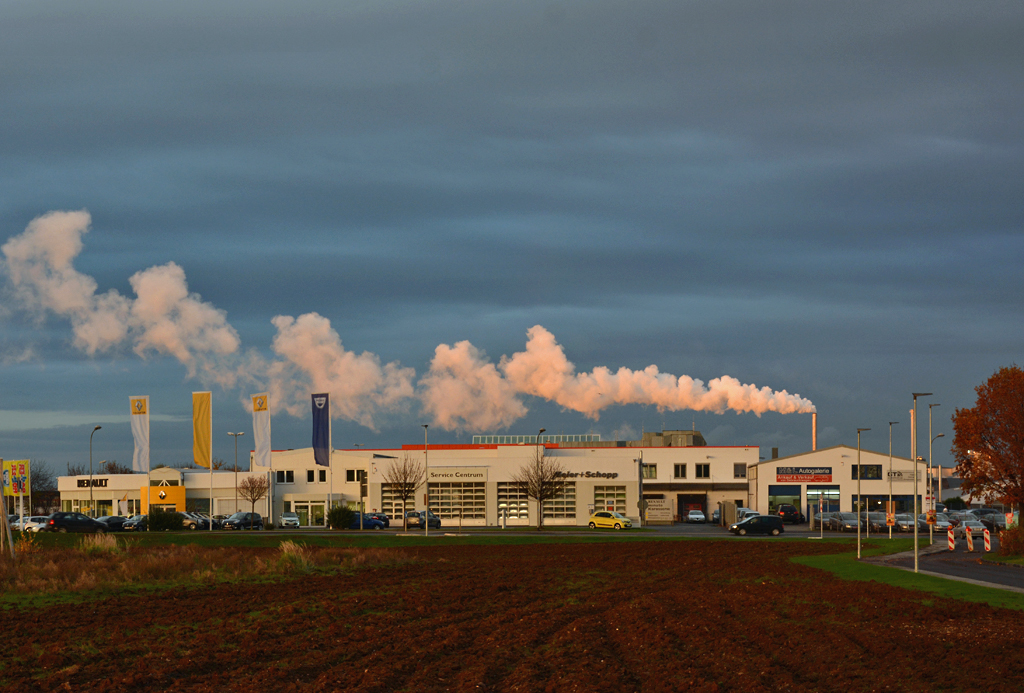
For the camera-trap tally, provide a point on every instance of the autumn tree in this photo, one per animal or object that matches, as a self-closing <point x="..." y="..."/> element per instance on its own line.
<point x="988" y="442"/>
<point x="542" y="478"/>
<point x="402" y="478"/>
<point x="253" y="489"/>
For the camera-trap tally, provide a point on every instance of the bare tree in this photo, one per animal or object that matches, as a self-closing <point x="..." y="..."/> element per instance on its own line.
<point x="44" y="487"/>
<point x="542" y="479"/>
<point x="403" y="478"/>
<point x="253" y="489"/>
<point x="77" y="470"/>
<point x="112" y="467"/>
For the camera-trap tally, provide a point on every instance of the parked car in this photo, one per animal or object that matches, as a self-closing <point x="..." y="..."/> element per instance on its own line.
<point x="381" y="517"/>
<point x="904" y="523"/>
<point x="244" y="521"/>
<point x="135" y="523"/>
<point x="289" y="521"/>
<point x="994" y="522"/>
<point x="198" y="521"/>
<point x="977" y="530"/>
<point x="759" y="524"/>
<point x="789" y="513"/>
<point x="415" y="520"/>
<point x="72" y="522"/>
<point x="742" y="513"/>
<point x="875" y="521"/>
<point x="361" y="521"/>
<point x="848" y="522"/>
<point x="30" y="525"/>
<point x="114" y="523"/>
<point x="716" y="516"/>
<point x="609" y="520"/>
<point x="696" y="516"/>
<point x="941" y="523"/>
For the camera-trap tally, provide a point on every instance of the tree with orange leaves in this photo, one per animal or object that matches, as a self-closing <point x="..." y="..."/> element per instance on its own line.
<point x="988" y="444"/>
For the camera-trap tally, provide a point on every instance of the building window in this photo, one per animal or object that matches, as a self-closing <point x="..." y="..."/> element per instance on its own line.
<point x="610" y="498"/>
<point x="680" y="471"/>
<point x="563" y="505"/>
<point x="391" y="505"/>
<point x="350" y="475"/>
<point x="513" y="501"/>
<point x="739" y="471"/>
<point x="703" y="471"/>
<point x="868" y="471"/>
<point x="323" y="476"/>
<point x="286" y="476"/>
<point x="650" y="471"/>
<point x="310" y="476"/>
<point x="447" y="500"/>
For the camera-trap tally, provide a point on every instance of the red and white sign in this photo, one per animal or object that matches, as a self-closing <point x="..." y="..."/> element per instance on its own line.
<point x="988" y="541"/>
<point x="803" y="474"/>
<point x="970" y="539"/>
<point x="950" y="541"/>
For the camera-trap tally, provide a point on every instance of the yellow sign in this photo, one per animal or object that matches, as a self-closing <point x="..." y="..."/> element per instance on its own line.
<point x="202" y="429"/>
<point x="890" y="519"/>
<point x="931" y="517"/>
<point x="16" y="478"/>
<point x="259" y="403"/>
<point x="138" y="405"/>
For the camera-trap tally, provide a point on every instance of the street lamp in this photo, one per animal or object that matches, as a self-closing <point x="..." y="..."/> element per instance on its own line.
<point x="890" y="509"/>
<point x="235" y="435"/>
<point x="913" y="456"/>
<point x="92" y="508"/>
<point x="932" y="490"/>
<point x="858" y="489"/>
<point x="426" y="483"/>
<point x="540" y="506"/>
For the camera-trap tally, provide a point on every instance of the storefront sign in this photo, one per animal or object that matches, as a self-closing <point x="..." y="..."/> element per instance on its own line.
<point x="96" y="483"/>
<point x="459" y="474"/>
<point x="659" y="510"/>
<point x="902" y="475"/>
<point x="587" y="475"/>
<point x="803" y="474"/>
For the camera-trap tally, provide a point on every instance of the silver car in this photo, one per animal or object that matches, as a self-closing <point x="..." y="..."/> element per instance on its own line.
<point x="289" y="520"/>
<point x="977" y="530"/>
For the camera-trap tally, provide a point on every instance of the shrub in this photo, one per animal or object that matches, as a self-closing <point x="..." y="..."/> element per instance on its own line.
<point x="296" y="555"/>
<point x="1011" y="542"/>
<point x="340" y="518"/>
<point x="100" y="543"/>
<point x="161" y="521"/>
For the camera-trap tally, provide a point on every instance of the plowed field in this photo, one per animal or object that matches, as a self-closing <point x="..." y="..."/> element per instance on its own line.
<point x="637" y="616"/>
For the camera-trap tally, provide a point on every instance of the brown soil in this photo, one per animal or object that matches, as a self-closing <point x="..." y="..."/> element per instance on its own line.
<point x="643" y="616"/>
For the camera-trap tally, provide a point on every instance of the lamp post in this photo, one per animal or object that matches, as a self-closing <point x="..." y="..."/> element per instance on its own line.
<point x="640" y="486"/>
<point x="859" y="430"/>
<point x="540" y="505"/>
<point x="92" y="509"/>
<point x="932" y="490"/>
<point x="235" y="435"/>
<point x="890" y="509"/>
<point x="426" y="483"/>
<point x="913" y="456"/>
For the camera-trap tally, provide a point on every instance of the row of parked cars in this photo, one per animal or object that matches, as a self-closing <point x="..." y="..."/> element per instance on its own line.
<point x="80" y="523"/>
<point x="994" y="521"/>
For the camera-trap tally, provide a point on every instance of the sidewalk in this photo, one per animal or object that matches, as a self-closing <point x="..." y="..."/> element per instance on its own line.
<point x="938" y="561"/>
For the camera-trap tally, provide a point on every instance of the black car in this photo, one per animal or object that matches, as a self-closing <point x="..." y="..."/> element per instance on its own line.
<point x="381" y="517"/>
<point x="114" y="523"/>
<point x="789" y="514"/>
<point x="759" y="524"/>
<point x="244" y="521"/>
<point x="72" y="522"/>
<point x="136" y="523"/>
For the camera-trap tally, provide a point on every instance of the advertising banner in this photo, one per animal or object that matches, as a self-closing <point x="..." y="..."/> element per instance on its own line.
<point x="261" y="429"/>
<point x="202" y="429"/>
<point x="16" y="478"/>
<point x="139" y="407"/>
<point x="803" y="474"/>
<point x="322" y="429"/>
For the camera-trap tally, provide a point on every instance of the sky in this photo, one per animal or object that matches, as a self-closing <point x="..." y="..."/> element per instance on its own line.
<point x="493" y="217"/>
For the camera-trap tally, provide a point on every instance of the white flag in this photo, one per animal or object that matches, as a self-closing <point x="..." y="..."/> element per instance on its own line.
<point x="140" y="431"/>
<point x="261" y="429"/>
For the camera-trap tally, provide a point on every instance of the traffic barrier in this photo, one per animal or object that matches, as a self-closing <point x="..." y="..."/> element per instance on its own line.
<point x="970" y="540"/>
<point x="988" y="541"/>
<point x="950" y="541"/>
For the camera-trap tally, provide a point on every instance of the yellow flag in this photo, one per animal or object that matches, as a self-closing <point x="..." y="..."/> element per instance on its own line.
<point x="202" y="429"/>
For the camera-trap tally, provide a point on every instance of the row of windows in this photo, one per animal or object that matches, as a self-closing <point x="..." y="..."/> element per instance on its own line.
<point x="532" y="440"/>
<point x="313" y="476"/>
<point x="701" y="471"/>
<point x="446" y="500"/>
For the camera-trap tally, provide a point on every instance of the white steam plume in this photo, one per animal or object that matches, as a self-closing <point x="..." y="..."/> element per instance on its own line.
<point x="314" y="360"/>
<point x="462" y="390"/>
<point x="164" y="317"/>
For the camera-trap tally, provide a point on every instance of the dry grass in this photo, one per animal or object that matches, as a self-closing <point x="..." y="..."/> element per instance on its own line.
<point x="102" y="562"/>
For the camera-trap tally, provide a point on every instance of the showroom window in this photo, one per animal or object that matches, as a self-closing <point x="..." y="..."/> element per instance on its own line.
<point x="449" y="498"/>
<point x="563" y="505"/>
<point x="610" y="498"/>
<point x="513" y="500"/>
<point x="391" y="504"/>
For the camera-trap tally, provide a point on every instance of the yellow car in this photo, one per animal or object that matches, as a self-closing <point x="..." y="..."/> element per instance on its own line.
<point x="606" y="518"/>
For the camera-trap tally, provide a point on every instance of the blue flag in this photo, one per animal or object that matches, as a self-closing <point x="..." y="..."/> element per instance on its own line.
<point x="322" y="429"/>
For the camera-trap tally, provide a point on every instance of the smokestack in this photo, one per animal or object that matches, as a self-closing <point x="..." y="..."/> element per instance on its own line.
<point x="775" y="453"/>
<point x="814" y="431"/>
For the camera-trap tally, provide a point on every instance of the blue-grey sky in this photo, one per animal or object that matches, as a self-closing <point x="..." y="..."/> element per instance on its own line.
<point x="820" y="198"/>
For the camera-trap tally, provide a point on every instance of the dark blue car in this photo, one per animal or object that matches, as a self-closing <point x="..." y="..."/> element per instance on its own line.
<point x="367" y="522"/>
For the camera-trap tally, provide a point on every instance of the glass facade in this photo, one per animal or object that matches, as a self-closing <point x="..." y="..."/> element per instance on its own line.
<point x="610" y="498"/>
<point x="563" y="505"/>
<point x="513" y="501"/>
<point x="447" y="500"/>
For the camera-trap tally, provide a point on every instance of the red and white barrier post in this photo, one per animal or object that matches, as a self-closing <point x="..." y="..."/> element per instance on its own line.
<point x="988" y="541"/>
<point x="970" y="540"/>
<point x="950" y="541"/>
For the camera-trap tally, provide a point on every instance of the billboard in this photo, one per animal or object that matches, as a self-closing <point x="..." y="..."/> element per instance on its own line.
<point x="803" y="474"/>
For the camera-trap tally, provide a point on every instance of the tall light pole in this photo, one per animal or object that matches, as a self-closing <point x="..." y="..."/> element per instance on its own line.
<point x="932" y="490"/>
<point x="540" y="505"/>
<point x="913" y="456"/>
<point x="92" y="508"/>
<point x="858" y="489"/>
<point x="426" y="483"/>
<point x="890" y="509"/>
<point x="235" y="435"/>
